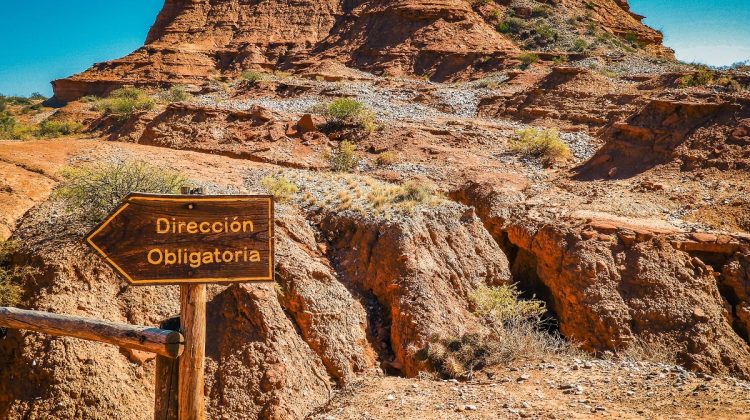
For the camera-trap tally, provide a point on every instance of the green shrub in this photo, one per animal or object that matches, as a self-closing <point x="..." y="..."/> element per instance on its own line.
<point x="176" y="93"/>
<point x="349" y="112"/>
<point x="7" y="122"/>
<point x="580" y="45"/>
<point x="125" y="102"/>
<point x="344" y="159"/>
<point x="546" y="32"/>
<point x="631" y="38"/>
<point x="527" y="59"/>
<point x="253" y="77"/>
<point x="415" y="191"/>
<point x="281" y="188"/>
<point x="702" y="77"/>
<point x="52" y="128"/>
<point x="10" y="129"/>
<point x="502" y="306"/>
<point x="730" y="84"/>
<point x="36" y="96"/>
<point x="543" y="144"/>
<point x="495" y="15"/>
<point x="386" y="158"/>
<point x="90" y="192"/>
<point x="511" y="25"/>
<point x="540" y="11"/>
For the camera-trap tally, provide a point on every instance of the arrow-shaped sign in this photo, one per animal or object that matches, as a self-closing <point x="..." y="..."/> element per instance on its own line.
<point x="168" y="239"/>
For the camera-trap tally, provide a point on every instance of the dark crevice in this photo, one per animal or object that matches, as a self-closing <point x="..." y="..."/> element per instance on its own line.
<point x="717" y="261"/>
<point x="377" y="311"/>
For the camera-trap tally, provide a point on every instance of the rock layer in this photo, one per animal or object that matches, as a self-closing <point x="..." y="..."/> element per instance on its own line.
<point x="611" y="284"/>
<point x="196" y="40"/>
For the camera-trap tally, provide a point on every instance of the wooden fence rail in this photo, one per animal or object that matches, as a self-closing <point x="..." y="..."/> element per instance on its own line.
<point x="166" y="343"/>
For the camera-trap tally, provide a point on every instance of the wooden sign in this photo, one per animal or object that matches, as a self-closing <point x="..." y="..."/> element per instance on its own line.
<point x="168" y="239"/>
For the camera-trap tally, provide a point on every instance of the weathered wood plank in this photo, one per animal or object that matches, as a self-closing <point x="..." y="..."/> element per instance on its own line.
<point x="156" y="239"/>
<point x="193" y="323"/>
<point x="167" y="377"/>
<point x="165" y="343"/>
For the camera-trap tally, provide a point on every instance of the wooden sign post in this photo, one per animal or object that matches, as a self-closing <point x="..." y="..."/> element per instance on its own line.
<point x="189" y="240"/>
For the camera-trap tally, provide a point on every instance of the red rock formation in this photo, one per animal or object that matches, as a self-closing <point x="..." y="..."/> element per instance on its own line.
<point x="697" y="133"/>
<point x="192" y="41"/>
<point x="438" y="38"/>
<point x="420" y="270"/>
<point x="567" y="96"/>
<point x="611" y="284"/>
<point x="256" y="134"/>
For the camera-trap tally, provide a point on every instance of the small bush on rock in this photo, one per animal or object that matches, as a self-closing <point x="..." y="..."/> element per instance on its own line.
<point x="349" y="112"/>
<point x="90" y="192"/>
<point x="511" y="25"/>
<point x="543" y="144"/>
<point x="125" y="102"/>
<point x="176" y="93"/>
<point x="386" y="158"/>
<point x="516" y="333"/>
<point x="528" y="59"/>
<point x="344" y="159"/>
<point x="52" y="128"/>
<point x="253" y="77"/>
<point x="280" y="188"/>
<point x="702" y="77"/>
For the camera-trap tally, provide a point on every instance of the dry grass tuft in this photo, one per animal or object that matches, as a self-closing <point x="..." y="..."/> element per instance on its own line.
<point x="545" y="145"/>
<point x="281" y="188"/>
<point x="517" y="332"/>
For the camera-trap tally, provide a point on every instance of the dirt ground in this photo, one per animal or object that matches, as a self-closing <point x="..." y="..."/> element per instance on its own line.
<point x="555" y="389"/>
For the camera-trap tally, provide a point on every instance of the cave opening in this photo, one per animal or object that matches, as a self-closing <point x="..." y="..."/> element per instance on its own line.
<point x="717" y="261"/>
<point x="523" y="267"/>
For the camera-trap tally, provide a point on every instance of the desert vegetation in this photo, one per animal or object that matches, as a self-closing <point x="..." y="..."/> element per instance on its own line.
<point x="517" y="328"/>
<point x="349" y="192"/>
<point x="344" y="158"/>
<point x="124" y="102"/>
<point x="252" y="77"/>
<point x="544" y="144"/>
<point x="177" y="93"/>
<point x="280" y="188"/>
<point x="14" y="123"/>
<point x="346" y="112"/>
<point x="90" y="192"/>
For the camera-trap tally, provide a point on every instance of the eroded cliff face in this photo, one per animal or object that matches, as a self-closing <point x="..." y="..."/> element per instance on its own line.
<point x="194" y="41"/>
<point x="612" y="282"/>
<point x="352" y="297"/>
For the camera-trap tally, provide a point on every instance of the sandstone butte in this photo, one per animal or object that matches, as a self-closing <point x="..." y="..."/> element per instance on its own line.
<point x="636" y="237"/>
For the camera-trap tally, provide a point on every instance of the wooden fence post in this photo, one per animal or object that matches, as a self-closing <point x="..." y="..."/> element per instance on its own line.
<point x="191" y="382"/>
<point x="167" y="369"/>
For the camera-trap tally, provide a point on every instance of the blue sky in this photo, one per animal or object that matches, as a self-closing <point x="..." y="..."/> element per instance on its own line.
<point x="44" y="40"/>
<point x="49" y="39"/>
<point x="715" y="32"/>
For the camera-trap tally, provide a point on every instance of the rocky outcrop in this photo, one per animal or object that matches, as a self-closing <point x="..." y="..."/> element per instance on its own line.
<point x="194" y="41"/>
<point x="615" y="17"/>
<point x="420" y="270"/>
<point x="353" y="296"/>
<point x="436" y="38"/>
<point x="569" y="97"/>
<point x="693" y="133"/>
<point x="611" y="284"/>
<point x="256" y="134"/>
<point x="332" y="317"/>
